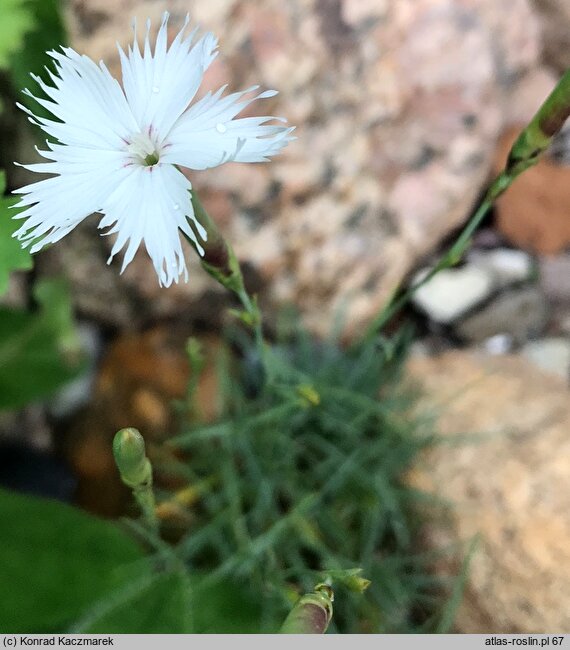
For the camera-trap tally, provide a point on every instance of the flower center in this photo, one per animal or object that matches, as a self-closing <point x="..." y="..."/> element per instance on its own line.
<point x="143" y="150"/>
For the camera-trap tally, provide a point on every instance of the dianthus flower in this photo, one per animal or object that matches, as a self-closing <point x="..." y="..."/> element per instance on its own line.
<point x="118" y="149"/>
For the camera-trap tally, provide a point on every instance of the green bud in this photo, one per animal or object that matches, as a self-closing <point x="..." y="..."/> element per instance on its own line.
<point x="309" y="394"/>
<point x="130" y="457"/>
<point x="219" y="259"/>
<point x="350" y="578"/>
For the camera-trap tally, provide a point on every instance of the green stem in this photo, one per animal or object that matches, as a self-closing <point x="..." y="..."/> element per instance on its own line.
<point x="311" y="614"/>
<point x="255" y="318"/>
<point x="449" y="259"/>
<point x="144" y="496"/>
<point x="220" y="261"/>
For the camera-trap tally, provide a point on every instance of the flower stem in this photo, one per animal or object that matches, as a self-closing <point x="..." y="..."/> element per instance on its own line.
<point x="311" y="614"/>
<point x="144" y="496"/>
<point x="220" y="261"/>
<point x="449" y="259"/>
<point x="254" y="319"/>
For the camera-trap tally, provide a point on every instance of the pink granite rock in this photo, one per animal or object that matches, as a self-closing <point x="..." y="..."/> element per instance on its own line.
<point x="555" y="24"/>
<point x="397" y="106"/>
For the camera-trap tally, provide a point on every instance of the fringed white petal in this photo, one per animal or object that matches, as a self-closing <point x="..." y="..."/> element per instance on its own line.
<point x="159" y="85"/>
<point x="89" y="103"/>
<point x="52" y="207"/>
<point x="207" y="135"/>
<point x="151" y="206"/>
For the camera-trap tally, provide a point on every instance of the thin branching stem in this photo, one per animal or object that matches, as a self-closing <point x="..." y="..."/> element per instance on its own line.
<point x="256" y="321"/>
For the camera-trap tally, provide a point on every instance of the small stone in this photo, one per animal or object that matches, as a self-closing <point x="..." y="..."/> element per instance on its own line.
<point x="419" y="349"/>
<point x="520" y="313"/>
<point x="554" y="273"/>
<point x="452" y="292"/>
<point x="498" y="344"/>
<point x="550" y="354"/>
<point x="487" y="238"/>
<point x="507" y="265"/>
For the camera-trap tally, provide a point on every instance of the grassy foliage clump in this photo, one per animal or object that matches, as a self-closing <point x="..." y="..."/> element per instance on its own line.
<point x="303" y="474"/>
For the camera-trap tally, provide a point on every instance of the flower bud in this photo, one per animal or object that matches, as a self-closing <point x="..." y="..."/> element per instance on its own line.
<point x="218" y="259"/>
<point x="130" y="457"/>
<point x="309" y="395"/>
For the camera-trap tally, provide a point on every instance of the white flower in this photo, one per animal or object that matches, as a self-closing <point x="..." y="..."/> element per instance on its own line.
<point x="118" y="148"/>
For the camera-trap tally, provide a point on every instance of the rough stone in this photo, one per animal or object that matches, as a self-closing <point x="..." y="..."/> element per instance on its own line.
<point x="394" y="139"/>
<point x="521" y="313"/>
<point x="507" y="266"/>
<point x="528" y="95"/>
<point x="509" y="483"/>
<point x="555" y="25"/>
<point x="453" y="292"/>
<point x="498" y="344"/>
<point x="555" y="276"/>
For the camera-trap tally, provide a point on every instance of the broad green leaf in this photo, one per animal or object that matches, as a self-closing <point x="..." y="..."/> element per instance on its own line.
<point x="173" y="603"/>
<point x="225" y="608"/>
<point x="16" y="20"/>
<point x="12" y="256"/>
<point x="158" y="606"/>
<point x="39" y="351"/>
<point x="64" y="570"/>
<point x="56" y="560"/>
